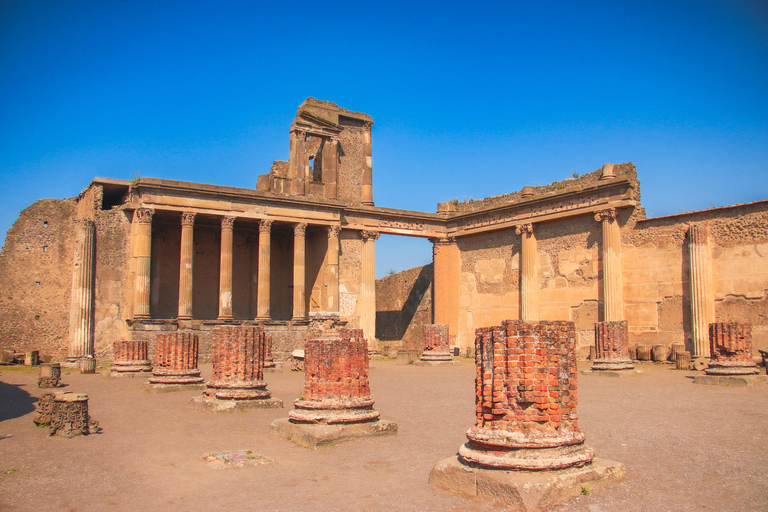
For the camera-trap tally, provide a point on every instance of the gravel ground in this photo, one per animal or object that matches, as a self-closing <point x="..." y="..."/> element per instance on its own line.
<point x="686" y="447"/>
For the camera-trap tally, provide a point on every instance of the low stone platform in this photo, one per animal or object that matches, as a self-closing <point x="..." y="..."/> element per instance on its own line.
<point x="419" y="362"/>
<point x="731" y="380"/>
<point x="614" y="373"/>
<point x="314" y="435"/>
<point x="127" y="375"/>
<point x="172" y="388"/>
<point x="217" y="405"/>
<point x="524" y="490"/>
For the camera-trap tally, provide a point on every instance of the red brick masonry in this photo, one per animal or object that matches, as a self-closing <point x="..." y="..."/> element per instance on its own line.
<point x="730" y="347"/>
<point x="436" y="344"/>
<point x="526" y="398"/>
<point x="176" y="359"/>
<point x="131" y="356"/>
<point x="612" y="346"/>
<point x="237" y="355"/>
<point x="336" y="382"/>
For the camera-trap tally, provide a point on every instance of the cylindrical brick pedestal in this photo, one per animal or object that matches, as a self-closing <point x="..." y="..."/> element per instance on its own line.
<point x="730" y="346"/>
<point x="237" y="355"/>
<point x="336" y="387"/>
<point x="69" y="416"/>
<point x="269" y="360"/>
<point x="131" y="357"/>
<point x="176" y="359"/>
<point x="436" y="346"/>
<point x="50" y="375"/>
<point x="612" y="346"/>
<point x="526" y="399"/>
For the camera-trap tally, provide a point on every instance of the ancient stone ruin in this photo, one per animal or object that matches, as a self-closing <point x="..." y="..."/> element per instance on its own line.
<point x="69" y="415"/>
<point x="526" y="420"/>
<point x="50" y="375"/>
<point x="237" y="356"/>
<point x="44" y="409"/>
<point x="612" y="347"/>
<point x="730" y="349"/>
<point x="337" y="403"/>
<point x="436" y="347"/>
<point x="176" y="361"/>
<point x="131" y="358"/>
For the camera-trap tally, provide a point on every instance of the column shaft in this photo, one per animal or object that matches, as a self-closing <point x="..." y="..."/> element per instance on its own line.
<point x="529" y="285"/>
<point x="81" y="305"/>
<point x="613" y="300"/>
<point x="368" y="287"/>
<point x="225" y="269"/>
<point x="330" y="167"/>
<point x="702" y="294"/>
<point x="445" y="299"/>
<point x="185" y="265"/>
<point x="265" y="227"/>
<point x="141" y="239"/>
<point x="299" y="272"/>
<point x="366" y="179"/>
<point x="332" y="273"/>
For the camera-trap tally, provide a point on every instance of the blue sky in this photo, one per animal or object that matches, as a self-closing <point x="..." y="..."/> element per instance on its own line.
<point x="468" y="100"/>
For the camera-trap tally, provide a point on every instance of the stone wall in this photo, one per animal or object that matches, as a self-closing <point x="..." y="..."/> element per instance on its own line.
<point x="36" y="279"/>
<point x="403" y="307"/>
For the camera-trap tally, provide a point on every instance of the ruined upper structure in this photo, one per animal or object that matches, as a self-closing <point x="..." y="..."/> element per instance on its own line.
<point x="330" y="156"/>
<point x="127" y="259"/>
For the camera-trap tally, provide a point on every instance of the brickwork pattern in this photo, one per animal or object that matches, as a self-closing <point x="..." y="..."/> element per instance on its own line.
<point x="730" y="347"/>
<point x="612" y="346"/>
<point x="436" y="343"/>
<point x="336" y="388"/>
<point x="269" y="360"/>
<point x="237" y="355"/>
<point x="176" y="359"/>
<point x="526" y="398"/>
<point x="131" y="356"/>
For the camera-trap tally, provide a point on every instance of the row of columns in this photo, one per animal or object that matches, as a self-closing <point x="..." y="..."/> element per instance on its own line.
<point x="141" y="256"/>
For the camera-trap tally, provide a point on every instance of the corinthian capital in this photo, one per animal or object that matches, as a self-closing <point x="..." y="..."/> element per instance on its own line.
<point x="524" y="228"/>
<point x="369" y="234"/>
<point x="265" y="226"/>
<point x="608" y="214"/>
<point x="143" y="215"/>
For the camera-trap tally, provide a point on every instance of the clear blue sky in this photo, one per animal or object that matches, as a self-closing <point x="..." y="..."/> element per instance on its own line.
<point x="468" y="100"/>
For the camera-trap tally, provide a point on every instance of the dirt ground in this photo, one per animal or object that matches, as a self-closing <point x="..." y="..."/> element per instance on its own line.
<point x="686" y="447"/>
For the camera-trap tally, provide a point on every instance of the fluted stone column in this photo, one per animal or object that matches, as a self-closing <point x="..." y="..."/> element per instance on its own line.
<point x="301" y="163"/>
<point x="225" y="269"/>
<point x="265" y="228"/>
<point x="367" y="177"/>
<point x="185" y="265"/>
<point x="81" y="305"/>
<point x="332" y="275"/>
<point x="447" y="270"/>
<point x="702" y="293"/>
<point x="613" y="301"/>
<point x="141" y="239"/>
<point x="368" y="287"/>
<point x="529" y="286"/>
<point x="299" y="272"/>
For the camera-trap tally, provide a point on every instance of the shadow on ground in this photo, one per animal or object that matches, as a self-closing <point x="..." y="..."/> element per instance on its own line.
<point x="15" y="401"/>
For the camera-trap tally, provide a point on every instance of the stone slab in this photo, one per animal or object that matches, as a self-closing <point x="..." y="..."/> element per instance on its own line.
<point x="312" y="436"/>
<point x="127" y="375"/>
<point x="434" y="363"/>
<point x="614" y="373"/>
<point x="524" y="490"/>
<point x="172" y="388"/>
<point x="731" y="380"/>
<point x="216" y="405"/>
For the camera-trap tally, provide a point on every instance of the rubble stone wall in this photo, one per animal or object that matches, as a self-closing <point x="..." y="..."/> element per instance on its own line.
<point x="403" y="307"/>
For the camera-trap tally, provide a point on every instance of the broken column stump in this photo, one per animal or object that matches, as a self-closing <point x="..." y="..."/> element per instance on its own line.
<point x="175" y="363"/>
<point x="659" y="353"/>
<point x="643" y="352"/>
<point x="237" y="355"/>
<point x="612" y="347"/>
<point x="437" y="350"/>
<point x="69" y="417"/>
<point x="731" y="364"/>
<point x="337" y="404"/>
<point x="131" y="359"/>
<point x="50" y="375"/>
<point x="269" y="360"/>
<point x="683" y="360"/>
<point x="526" y="448"/>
